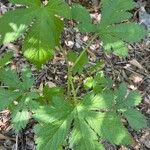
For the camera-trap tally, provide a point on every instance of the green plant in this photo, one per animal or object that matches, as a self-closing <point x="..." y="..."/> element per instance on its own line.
<point x="17" y="95"/>
<point x="78" y="120"/>
<point x="43" y="35"/>
<point x="94" y="117"/>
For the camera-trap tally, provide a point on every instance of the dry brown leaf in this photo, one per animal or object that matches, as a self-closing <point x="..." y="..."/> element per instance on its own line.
<point x="135" y="63"/>
<point x="51" y="84"/>
<point x="146" y="139"/>
<point x="136" y="78"/>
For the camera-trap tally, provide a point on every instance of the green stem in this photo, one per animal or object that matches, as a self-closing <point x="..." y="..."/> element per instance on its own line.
<point x="71" y="88"/>
<point x="69" y="75"/>
<point x="82" y="53"/>
<point x="69" y="83"/>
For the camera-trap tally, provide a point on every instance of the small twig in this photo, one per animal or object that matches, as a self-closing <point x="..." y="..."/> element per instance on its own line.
<point x="147" y="75"/>
<point x="16" y="142"/>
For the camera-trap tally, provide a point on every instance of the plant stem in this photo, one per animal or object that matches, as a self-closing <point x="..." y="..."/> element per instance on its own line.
<point x="82" y="53"/>
<point x="73" y="89"/>
<point x="70" y="82"/>
<point x="68" y="72"/>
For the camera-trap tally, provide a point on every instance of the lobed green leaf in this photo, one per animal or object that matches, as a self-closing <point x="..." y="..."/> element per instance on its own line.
<point x="42" y="36"/>
<point x="109" y="126"/>
<point x="135" y="118"/>
<point x="20" y="119"/>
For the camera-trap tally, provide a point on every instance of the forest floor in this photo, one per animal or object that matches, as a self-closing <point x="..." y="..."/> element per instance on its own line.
<point x="134" y="70"/>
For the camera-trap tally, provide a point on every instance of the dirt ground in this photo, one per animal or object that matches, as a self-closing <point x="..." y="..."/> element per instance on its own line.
<point x="134" y="70"/>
